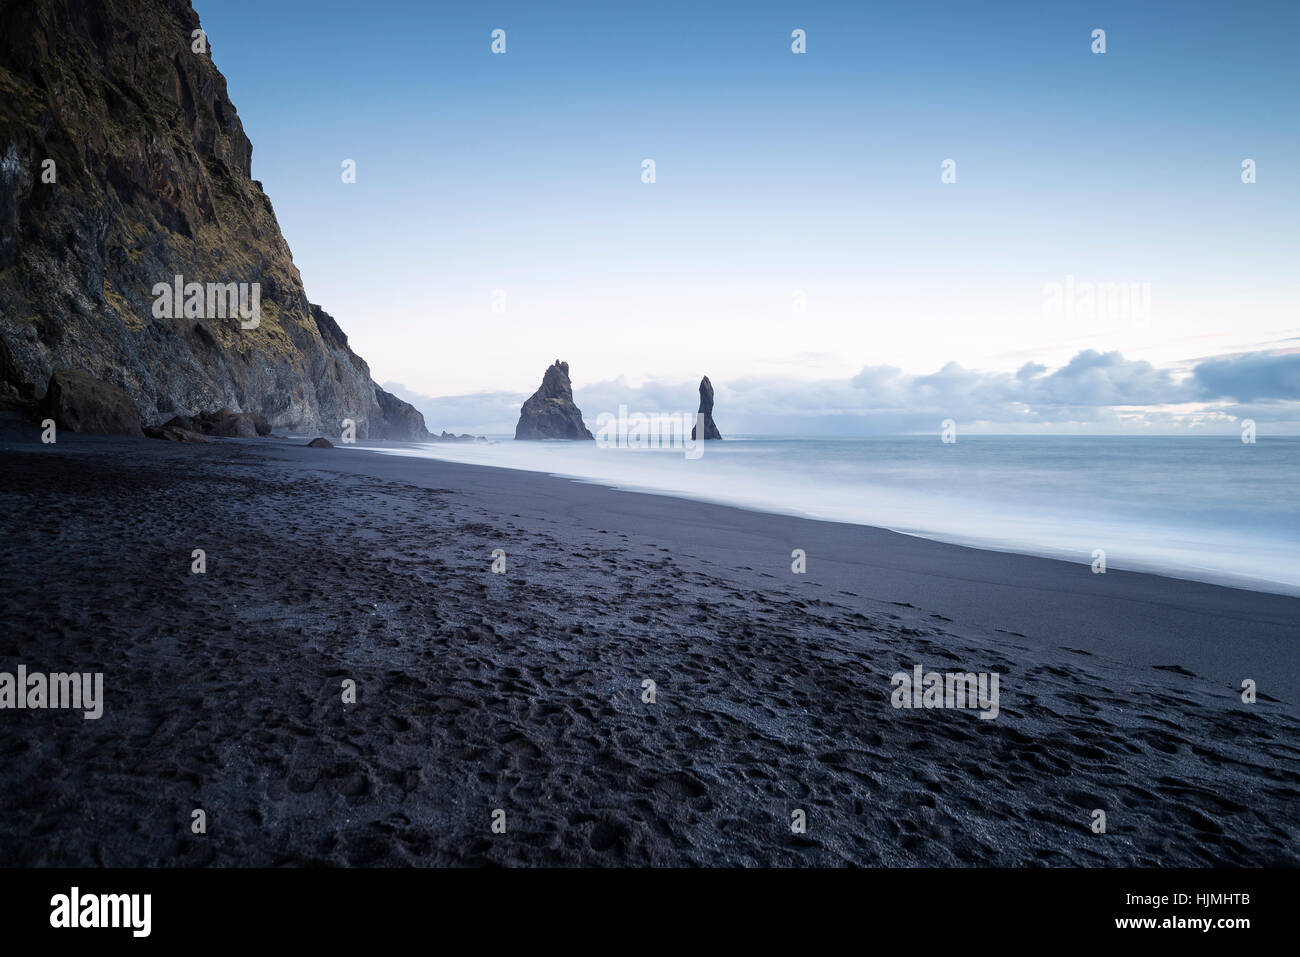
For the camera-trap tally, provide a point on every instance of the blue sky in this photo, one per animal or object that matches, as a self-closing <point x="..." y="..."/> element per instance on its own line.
<point x="780" y="177"/>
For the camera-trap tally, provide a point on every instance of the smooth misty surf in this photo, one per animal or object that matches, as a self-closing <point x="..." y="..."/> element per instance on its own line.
<point x="1205" y="508"/>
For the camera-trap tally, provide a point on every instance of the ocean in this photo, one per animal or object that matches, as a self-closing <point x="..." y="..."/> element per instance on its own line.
<point x="1206" y="508"/>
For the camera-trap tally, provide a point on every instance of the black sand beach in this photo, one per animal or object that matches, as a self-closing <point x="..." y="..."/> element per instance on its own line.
<point x="523" y="691"/>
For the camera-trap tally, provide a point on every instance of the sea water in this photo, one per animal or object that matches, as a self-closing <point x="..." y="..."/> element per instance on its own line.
<point x="1205" y="508"/>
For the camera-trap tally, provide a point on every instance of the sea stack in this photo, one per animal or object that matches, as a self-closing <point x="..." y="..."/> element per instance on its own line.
<point x="706" y="407"/>
<point x="550" y="413"/>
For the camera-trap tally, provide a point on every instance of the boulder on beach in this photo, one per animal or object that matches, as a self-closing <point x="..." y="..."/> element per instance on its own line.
<point x="79" y="402"/>
<point x="170" y="433"/>
<point x="706" y="407"/>
<point x="550" y="412"/>
<point x="320" y="443"/>
<point x="222" y="422"/>
<point x="231" y="425"/>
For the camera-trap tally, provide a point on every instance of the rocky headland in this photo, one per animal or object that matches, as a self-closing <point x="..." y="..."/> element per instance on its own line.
<point x="124" y="167"/>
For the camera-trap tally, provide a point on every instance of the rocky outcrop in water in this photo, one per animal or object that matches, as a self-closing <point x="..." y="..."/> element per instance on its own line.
<point x="550" y="412"/>
<point x="124" y="165"/>
<point x="706" y="407"/>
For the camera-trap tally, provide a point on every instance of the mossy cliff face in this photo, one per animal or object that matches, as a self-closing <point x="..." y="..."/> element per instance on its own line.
<point x="152" y="180"/>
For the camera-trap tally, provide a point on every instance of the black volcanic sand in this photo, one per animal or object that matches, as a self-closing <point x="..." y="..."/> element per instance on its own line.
<point x="523" y="691"/>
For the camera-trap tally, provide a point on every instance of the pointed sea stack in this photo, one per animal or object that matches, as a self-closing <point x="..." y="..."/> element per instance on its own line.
<point x="706" y="406"/>
<point x="550" y="413"/>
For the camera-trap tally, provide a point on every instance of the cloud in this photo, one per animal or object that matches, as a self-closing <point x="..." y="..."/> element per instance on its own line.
<point x="1250" y="377"/>
<point x="479" y="413"/>
<point x="1105" y="378"/>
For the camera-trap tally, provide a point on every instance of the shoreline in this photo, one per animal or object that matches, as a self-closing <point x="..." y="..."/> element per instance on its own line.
<point x="1029" y="548"/>
<point x="524" y="691"/>
<point x="903" y="560"/>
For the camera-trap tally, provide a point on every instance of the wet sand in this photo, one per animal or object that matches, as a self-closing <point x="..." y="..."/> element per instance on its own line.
<point x="523" y="691"/>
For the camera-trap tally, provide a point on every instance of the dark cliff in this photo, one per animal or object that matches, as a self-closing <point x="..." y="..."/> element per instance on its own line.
<point x="151" y="180"/>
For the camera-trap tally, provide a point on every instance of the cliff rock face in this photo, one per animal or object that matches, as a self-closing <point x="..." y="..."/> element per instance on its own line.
<point x="151" y="180"/>
<point x="550" y="412"/>
<point x="706" y="406"/>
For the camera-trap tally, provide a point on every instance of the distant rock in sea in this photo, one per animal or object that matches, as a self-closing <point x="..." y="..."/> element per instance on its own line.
<point x="706" y="406"/>
<point x="550" y="413"/>
<point x="320" y="443"/>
